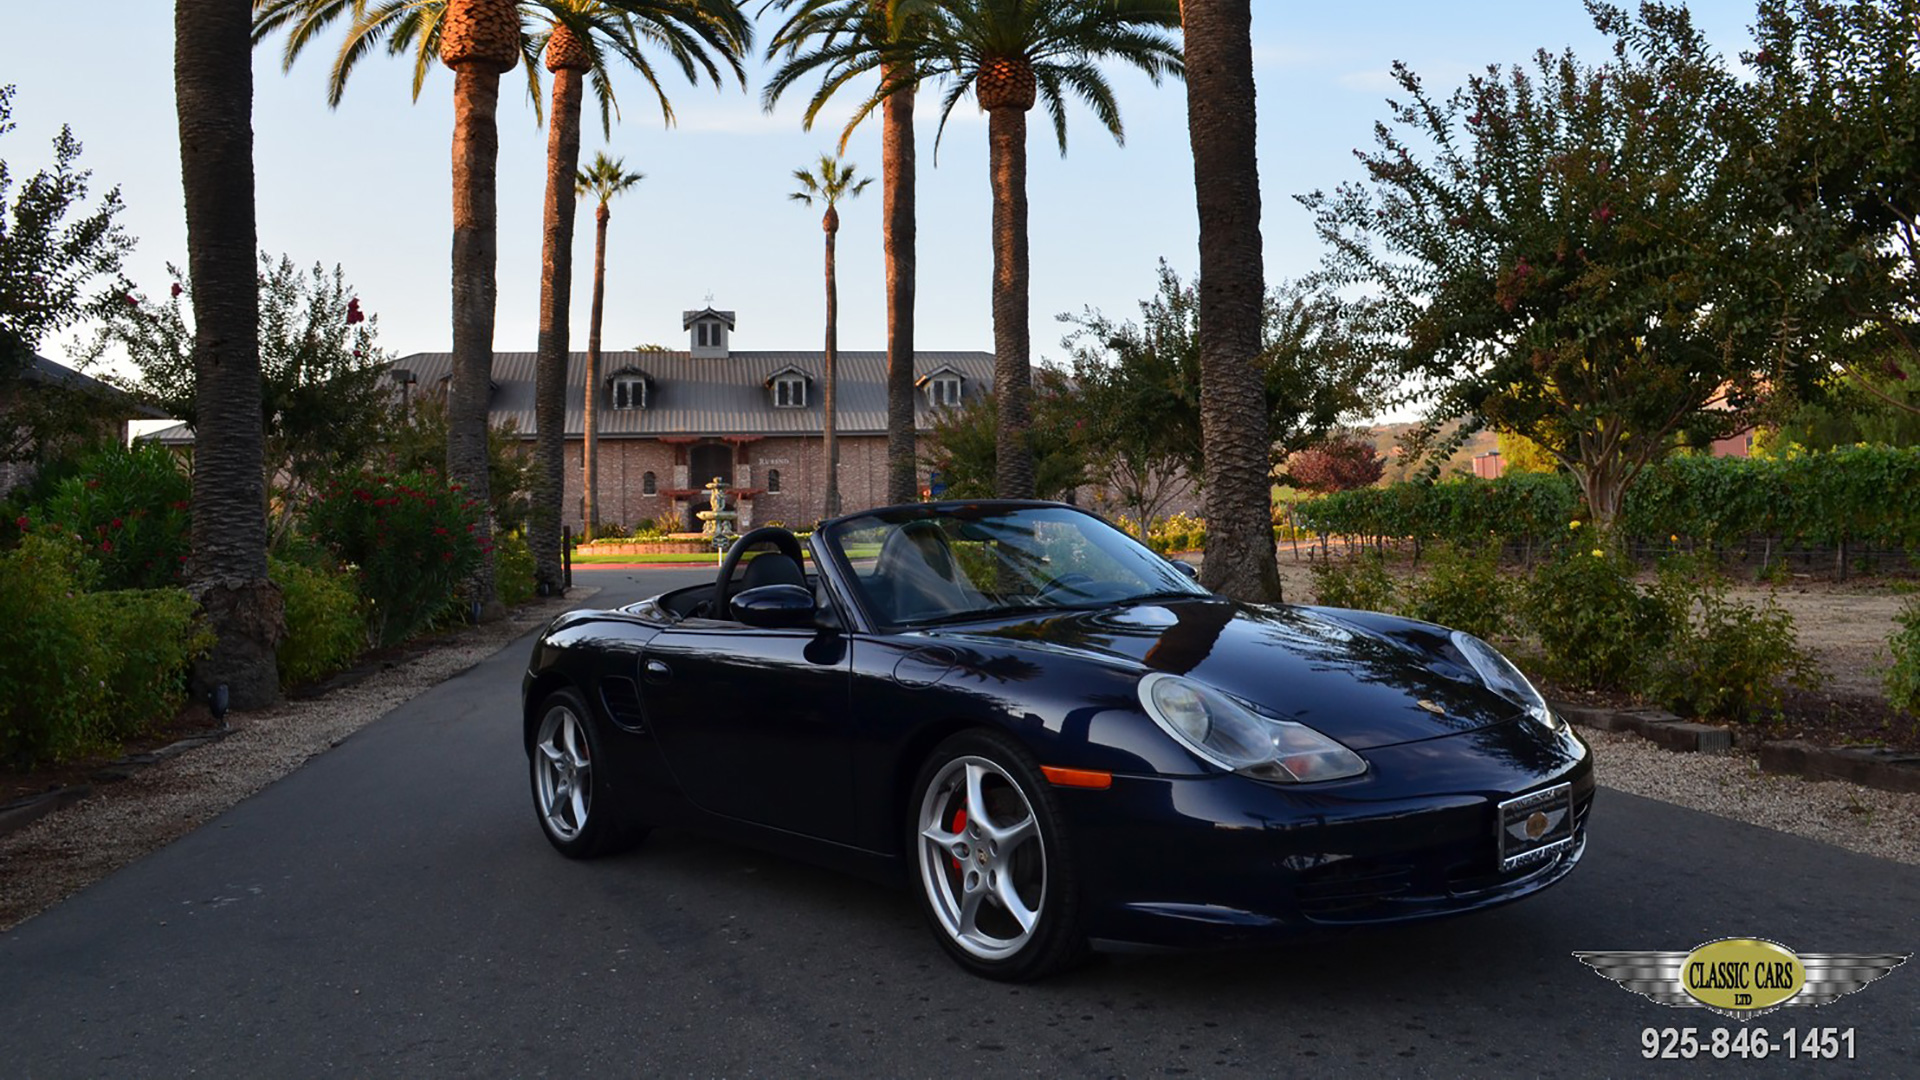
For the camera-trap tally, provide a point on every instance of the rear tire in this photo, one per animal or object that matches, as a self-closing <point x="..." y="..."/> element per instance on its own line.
<point x="580" y="811"/>
<point x="991" y="863"/>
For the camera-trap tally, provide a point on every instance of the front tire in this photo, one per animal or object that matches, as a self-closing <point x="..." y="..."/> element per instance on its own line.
<point x="579" y="811"/>
<point x="991" y="860"/>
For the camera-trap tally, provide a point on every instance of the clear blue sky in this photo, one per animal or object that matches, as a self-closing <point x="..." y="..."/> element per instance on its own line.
<point x="367" y="185"/>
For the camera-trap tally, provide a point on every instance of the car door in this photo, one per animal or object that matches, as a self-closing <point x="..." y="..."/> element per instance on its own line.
<point x="753" y="722"/>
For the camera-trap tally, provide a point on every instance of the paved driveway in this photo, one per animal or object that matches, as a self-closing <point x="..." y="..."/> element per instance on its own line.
<point x="392" y="910"/>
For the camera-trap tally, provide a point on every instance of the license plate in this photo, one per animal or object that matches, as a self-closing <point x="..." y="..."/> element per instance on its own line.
<point x="1536" y="825"/>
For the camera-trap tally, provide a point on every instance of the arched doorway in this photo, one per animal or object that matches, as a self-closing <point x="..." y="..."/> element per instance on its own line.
<point x="704" y="462"/>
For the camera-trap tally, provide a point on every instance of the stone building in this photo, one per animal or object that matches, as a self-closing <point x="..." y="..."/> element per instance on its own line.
<point x="671" y="421"/>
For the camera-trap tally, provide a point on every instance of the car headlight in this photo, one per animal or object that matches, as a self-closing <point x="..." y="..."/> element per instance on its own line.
<point x="1501" y="677"/>
<point x="1226" y="733"/>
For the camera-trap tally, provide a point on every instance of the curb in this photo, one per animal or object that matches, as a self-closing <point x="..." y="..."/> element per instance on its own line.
<point x="1870" y="767"/>
<point x="21" y="813"/>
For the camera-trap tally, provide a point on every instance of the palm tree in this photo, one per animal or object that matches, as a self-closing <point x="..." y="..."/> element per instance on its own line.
<point x="832" y="182"/>
<point x="1011" y="54"/>
<point x="213" y="93"/>
<point x="578" y="34"/>
<point x="1233" y="417"/>
<point x="603" y="179"/>
<point x="844" y="39"/>
<point x="522" y="29"/>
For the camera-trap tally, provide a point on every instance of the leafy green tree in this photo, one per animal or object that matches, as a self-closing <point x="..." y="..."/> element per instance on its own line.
<point x="48" y="264"/>
<point x="1010" y="55"/>
<point x="1564" y="250"/>
<point x="830" y="182"/>
<point x="603" y="180"/>
<point x="1144" y="379"/>
<point x="323" y="401"/>
<point x="964" y="443"/>
<point x="1837" y="158"/>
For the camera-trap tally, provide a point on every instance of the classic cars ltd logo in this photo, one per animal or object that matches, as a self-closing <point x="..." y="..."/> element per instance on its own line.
<point x="1742" y="977"/>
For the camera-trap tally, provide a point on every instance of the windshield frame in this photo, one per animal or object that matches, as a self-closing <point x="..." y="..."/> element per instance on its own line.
<point x="827" y="537"/>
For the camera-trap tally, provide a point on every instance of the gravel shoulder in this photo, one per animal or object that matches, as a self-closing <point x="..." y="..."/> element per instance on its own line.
<point x="60" y="854"/>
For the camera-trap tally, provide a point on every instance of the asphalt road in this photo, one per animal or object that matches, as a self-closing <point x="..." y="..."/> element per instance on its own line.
<point x="392" y="910"/>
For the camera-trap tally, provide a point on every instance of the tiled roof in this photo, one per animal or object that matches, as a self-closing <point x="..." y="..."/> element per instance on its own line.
<point x="719" y="396"/>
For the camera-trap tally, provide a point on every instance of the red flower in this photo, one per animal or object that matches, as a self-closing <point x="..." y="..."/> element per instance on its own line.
<point x="176" y="290"/>
<point x="91" y="484"/>
<point x="446" y="556"/>
<point x="106" y="546"/>
<point x="180" y="504"/>
<point x="132" y="301"/>
<point x="354" y="314"/>
<point x="23" y="524"/>
<point x="115" y="523"/>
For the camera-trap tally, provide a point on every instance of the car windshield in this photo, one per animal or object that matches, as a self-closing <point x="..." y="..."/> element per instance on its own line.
<point x="917" y="566"/>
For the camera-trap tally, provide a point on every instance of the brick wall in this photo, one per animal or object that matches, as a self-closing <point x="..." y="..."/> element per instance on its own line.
<point x="800" y="461"/>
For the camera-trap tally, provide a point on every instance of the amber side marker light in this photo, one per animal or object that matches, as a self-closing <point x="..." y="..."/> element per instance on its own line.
<point x="1086" y="778"/>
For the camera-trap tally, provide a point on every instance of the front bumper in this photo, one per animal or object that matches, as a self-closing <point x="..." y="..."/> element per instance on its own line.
<point x="1190" y="861"/>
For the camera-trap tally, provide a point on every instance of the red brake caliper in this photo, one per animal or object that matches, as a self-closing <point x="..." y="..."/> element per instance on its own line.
<point x="959" y="826"/>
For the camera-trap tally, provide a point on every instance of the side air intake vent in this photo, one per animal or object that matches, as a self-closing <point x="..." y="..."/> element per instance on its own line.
<point x="623" y="702"/>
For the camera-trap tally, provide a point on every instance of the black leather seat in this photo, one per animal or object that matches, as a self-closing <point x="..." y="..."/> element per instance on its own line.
<point x="770" y="568"/>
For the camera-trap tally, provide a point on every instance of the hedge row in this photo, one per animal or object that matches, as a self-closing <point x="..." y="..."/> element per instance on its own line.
<point x="1856" y="495"/>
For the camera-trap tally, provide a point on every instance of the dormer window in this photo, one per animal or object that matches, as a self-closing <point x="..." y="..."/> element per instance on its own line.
<point x="707" y="331"/>
<point x="944" y="387"/>
<point x="628" y="391"/>
<point x="790" y="392"/>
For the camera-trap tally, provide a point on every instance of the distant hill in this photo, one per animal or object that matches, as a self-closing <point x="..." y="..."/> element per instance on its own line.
<point x="1386" y="441"/>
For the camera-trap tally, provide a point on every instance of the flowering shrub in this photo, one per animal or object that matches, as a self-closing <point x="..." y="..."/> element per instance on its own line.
<point x="129" y="508"/>
<point x="411" y="537"/>
<point x="1593" y="625"/>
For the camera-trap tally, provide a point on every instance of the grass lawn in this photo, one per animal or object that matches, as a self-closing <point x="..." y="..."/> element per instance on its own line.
<point x="659" y="557"/>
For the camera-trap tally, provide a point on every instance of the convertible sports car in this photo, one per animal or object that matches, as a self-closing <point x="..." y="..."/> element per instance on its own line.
<point x="1056" y="737"/>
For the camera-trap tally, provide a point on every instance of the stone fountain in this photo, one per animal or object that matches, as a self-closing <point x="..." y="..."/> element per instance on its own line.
<point x="718" y="530"/>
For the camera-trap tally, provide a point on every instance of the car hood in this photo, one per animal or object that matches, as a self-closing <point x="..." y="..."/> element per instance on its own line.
<point x="1364" y="679"/>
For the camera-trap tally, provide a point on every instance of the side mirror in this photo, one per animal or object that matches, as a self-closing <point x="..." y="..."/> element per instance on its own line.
<point x="774" y="606"/>
<point x="1185" y="568"/>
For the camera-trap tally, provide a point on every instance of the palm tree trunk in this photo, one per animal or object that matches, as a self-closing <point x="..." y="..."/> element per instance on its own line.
<point x="476" y="152"/>
<point x="898" y="241"/>
<point x="1233" y="416"/>
<point x="1012" y="371"/>
<point x="213" y="91"/>
<point x="831" y="507"/>
<point x="590" y="443"/>
<point x="550" y="365"/>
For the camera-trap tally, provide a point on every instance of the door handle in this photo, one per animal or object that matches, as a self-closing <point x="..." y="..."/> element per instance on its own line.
<point x="657" y="671"/>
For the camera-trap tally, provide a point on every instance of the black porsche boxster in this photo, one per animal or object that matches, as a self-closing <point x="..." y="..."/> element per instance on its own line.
<point x="1057" y="737"/>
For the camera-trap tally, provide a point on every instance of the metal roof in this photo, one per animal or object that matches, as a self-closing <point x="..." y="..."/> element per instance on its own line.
<point x="713" y="396"/>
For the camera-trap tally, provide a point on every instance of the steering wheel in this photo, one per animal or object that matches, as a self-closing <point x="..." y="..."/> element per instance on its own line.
<point x="788" y="544"/>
